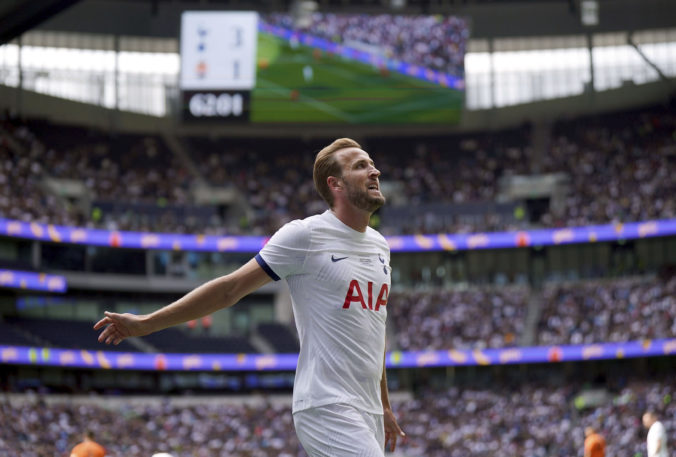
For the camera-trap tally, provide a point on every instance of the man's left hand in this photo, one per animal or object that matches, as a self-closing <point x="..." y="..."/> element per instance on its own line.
<point x="392" y="430"/>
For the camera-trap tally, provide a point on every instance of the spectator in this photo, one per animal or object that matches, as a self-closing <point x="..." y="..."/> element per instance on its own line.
<point x="88" y="447"/>
<point x="594" y="444"/>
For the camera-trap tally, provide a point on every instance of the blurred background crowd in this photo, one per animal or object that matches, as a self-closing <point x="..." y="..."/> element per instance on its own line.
<point x="513" y="419"/>
<point x="615" y="169"/>
<point x="434" y="42"/>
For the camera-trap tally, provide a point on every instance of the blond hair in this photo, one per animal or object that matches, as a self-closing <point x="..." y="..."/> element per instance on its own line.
<point x="326" y="165"/>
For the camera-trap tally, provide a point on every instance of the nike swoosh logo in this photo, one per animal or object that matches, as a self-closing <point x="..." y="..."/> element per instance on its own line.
<point x="336" y="259"/>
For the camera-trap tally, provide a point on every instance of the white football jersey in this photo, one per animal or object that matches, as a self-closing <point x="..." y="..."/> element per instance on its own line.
<point x="339" y="280"/>
<point x="657" y="434"/>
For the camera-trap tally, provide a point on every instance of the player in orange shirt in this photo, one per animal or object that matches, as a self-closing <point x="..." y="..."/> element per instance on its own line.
<point x="594" y="444"/>
<point x="88" y="447"/>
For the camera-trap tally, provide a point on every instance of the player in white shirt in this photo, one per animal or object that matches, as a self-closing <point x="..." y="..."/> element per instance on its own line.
<point x="338" y="272"/>
<point x="657" y="436"/>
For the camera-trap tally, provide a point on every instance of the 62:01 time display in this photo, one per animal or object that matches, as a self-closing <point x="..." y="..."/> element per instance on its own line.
<point x="216" y="105"/>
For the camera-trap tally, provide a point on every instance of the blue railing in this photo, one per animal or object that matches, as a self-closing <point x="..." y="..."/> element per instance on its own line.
<point x="74" y="358"/>
<point x="408" y="243"/>
<point x="32" y="281"/>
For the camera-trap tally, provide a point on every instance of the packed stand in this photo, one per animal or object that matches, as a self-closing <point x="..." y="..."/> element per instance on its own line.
<point x="461" y="170"/>
<point x="135" y="429"/>
<point x="126" y="175"/>
<point x="134" y="168"/>
<point x="527" y="419"/>
<point x="608" y="311"/>
<point x="621" y="167"/>
<point x="21" y="171"/>
<point x="457" y="319"/>
<point x="275" y="176"/>
<point x="618" y="310"/>
<point x="278" y="185"/>
<point x="531" y="420"/>
<point x="433" y="42"/>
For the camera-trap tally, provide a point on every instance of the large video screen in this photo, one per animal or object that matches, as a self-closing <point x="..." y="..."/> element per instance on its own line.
<point x="334" y="68"/>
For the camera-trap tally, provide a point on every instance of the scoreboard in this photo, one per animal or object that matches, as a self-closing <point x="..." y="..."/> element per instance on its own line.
<point x="218" y="64"/>
<point x="249" y="67"/>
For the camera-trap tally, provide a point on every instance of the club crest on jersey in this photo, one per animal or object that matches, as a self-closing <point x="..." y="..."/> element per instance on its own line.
<point x="382" y="260"/>
<point x="355" y="295"/>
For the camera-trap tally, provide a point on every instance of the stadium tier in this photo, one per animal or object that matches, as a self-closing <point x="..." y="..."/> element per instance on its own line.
<point x="620" y="310"/>
<point x="534" y="418"/>
<point x="610" y="169"/>
<point x="623" y="310"/>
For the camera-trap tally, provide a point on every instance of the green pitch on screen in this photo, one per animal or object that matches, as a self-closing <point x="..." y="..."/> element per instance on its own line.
<point x="308" y="85"/>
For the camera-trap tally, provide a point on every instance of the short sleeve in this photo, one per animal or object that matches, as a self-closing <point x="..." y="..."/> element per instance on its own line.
<point x="284" y="254"/>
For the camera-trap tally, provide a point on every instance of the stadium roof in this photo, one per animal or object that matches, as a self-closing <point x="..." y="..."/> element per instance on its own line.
<point x="19" y="16"/>
<point x="490" y="18"/>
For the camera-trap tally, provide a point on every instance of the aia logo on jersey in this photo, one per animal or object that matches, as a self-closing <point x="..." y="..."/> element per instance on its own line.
<point x="355" y="295"/>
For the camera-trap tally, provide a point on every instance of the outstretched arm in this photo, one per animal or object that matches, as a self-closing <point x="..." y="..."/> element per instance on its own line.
<point x="216" y="294"/>
<point x="392" y="430"/>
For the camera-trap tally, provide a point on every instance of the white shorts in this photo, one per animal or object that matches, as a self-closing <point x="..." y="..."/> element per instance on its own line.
<point x="340" y="430"/>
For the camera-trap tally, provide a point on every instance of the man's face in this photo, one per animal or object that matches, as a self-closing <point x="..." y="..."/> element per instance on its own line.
<point x="360" y="177"/>
<point x="647" y="420"/>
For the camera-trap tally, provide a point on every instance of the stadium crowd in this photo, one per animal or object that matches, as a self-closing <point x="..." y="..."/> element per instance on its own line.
<point x="21" y="196"/>
<point x="531" y="420"/>
<point x="433" y="42"/>
<point x="618" y="169"/>
<point x="621" y="168"/>
<point x="460" y="319"/>
<point x="617" y="311"/>
<point x="524" y="419"/>
<point x="584" y="312"/>
<point x="278" y="187"/>
<point x="130" y="170"/>
<point x="136" y="429"/>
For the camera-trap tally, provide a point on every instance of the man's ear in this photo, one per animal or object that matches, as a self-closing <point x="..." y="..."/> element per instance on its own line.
<point x="334" y="183"/>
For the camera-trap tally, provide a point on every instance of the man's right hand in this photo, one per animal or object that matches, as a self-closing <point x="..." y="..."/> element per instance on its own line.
<point x="120" y="326"/>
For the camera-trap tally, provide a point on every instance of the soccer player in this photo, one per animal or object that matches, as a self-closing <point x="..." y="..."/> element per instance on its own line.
<point x="88" y="447"/>
<point x="338" y="272"/>
<point x="594" y="444"/>
<point x="657" y="435"/>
